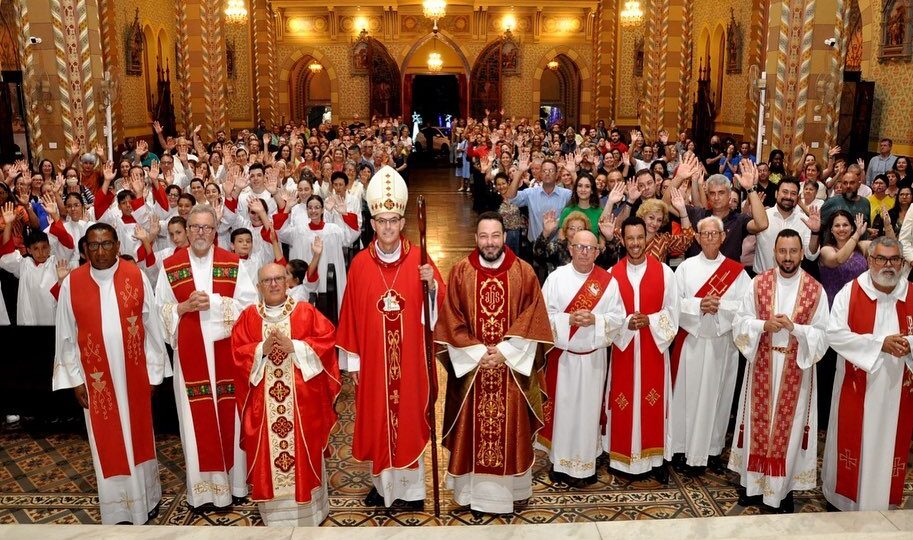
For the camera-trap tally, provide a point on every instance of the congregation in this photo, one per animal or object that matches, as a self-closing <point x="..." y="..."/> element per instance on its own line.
<point x="644" y="304"/>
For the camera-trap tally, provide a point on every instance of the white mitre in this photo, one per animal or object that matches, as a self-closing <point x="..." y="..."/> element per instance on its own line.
<point x="387" y="192"/>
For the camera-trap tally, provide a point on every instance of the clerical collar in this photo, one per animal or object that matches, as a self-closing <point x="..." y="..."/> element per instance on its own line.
<point x="389" y="258"/>
<point x="204" y="258"/>
<point x="105" y="274"/>
<point x="493" y="264"/>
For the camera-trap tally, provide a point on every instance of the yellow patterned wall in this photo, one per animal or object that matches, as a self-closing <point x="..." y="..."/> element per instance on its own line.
<point x="353" y="90"/>
<point x="159" y="15"/>
<point x="709" y="14"/>
<point x="891" y="115"/>
<point x="626" y="103"/>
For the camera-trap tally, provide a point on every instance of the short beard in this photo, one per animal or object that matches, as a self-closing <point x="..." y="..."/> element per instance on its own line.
<point x="783" y="270"/>
<point x="492" y="259"/>
<point x="879" y="277"/>
<point x="850" y="195"/>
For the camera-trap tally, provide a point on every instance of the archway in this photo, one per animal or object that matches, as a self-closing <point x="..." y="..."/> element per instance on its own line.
<point x="310" y="97"/>
<point x="301" y="59"/>
<point x="717" y="64"/>
<point x="559" y="93"/>
<point x="414" y="67"/>
<point x="577" y="84"/>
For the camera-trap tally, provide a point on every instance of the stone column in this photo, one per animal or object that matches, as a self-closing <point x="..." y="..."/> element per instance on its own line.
<point x="264" y="62"/>
<point x="201" y="50"/>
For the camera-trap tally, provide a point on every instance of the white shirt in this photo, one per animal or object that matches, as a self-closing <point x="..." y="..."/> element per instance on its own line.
<point x="764" y="252"/>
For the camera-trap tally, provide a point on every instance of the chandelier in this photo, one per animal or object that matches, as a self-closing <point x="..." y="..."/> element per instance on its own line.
<point x="315" y="67"/>
<point x="434" y="10"/>
<point x="631" y="14"/>
<point x="553" y="65"/>
<point x="235" y="12"/>
<point x="435" y="62"/>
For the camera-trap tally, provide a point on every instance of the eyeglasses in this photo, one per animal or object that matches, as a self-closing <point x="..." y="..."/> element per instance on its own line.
<point x="94" y="246"/>
<point x="201" y="229"/>
<point x="392" y="221"/>
<point x="882" y="260"/>
<point x="585" y="249"/>
<point x="709" y="234"/>
<point x="273" y="280"/>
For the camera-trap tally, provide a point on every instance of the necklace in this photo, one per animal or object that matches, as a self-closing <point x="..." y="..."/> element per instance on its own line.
<point x="396" y="275"/>
<point x="286" y="311"/>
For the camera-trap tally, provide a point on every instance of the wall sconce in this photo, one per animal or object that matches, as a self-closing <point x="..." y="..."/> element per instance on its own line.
<point x="553" y="65"/>
<point x="361" y="24"/>
<point x="315" y="67"/>
<point x="509" y="22"/>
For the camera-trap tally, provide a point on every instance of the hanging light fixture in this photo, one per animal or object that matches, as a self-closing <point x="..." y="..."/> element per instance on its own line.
<point x="315" y="67"/>
<point x="435" y="62"/>
<point x="434" y="9"/>
<point x="235" y="12"/>
<point x="553" y="65"/>
<point x="631" y="14"/>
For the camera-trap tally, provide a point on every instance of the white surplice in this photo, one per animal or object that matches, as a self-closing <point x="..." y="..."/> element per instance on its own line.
<point x="76" y="229"/>
<point x="487" y="492"/>
<point x="35" y="306"/>
<point x="884" y="384"/>
<point x="801" y="465"/>
<point x="708" y="366"/>
<point x="128" y="497"/>
<point x="663" y="328"/>
<point x="205" y="487"/>
<point x="576" y="439"/>
<point x="335" y="234"/>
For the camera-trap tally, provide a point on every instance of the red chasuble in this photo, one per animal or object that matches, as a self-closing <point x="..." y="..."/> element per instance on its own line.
<point x="381" y="322"/>
<point x="106" y="421"/>
<point x="586" y="298"/>
<point x="284" y="430"/>
<point x="770" y="440"/>
<point x="861" y="320"/>
<point x="214" y="438"/>
<point x="716" y="285"/>
<point x="492" y="414"/>
<point x="652" y="369"/>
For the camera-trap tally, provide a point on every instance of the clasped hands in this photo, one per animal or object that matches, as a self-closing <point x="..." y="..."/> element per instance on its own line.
<point x="778" y="322"/>
<point x="896" y="345"/>
<point x="710" y="305"/>
<point x="278" y="340"/>
<point x="638" y="320"/>
<point x="582" y="318"/>
<point x="197" y="301"/>
<point x="492" y="358"/>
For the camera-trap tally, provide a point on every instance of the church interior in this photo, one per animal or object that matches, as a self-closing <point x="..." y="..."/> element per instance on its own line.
<point x="798" y="75"/>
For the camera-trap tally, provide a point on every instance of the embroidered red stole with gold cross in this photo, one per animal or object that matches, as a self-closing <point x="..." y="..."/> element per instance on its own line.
<point x="652" y="370"/>
<point x="214" y="434"/>
<point x="717" y="284"/>
<point x="586" y="298"/>
<point x="770" y="440"/>
<point x="106" y="422"/>
<point x="861" y="320"/>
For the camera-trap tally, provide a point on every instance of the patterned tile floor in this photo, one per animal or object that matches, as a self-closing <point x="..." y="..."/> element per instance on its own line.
<point x="46" y="473"/>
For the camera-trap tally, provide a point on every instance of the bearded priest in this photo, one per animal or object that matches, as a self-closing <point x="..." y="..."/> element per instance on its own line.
<point x="286" y="381"/>
<point x="495" y="326"/>
<point x="871" y="420"/>
<point x="382" y="335"/>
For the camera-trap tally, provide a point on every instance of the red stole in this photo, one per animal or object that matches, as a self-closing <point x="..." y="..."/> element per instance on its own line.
<point x="586" y="298"/>
<point x="652" y="370"/>
<point x="717" y="284"/>
<point x="767" y="454"/>
<point x="106" y="422"/>
<point x="214" y="438"/>
<point x="861" y="320"/>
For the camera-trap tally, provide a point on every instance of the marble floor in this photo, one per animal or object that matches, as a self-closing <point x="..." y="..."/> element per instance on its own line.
<point x="46" y="474"/>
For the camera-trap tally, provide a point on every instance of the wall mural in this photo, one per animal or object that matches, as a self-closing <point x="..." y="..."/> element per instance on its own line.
<point x="896" y="31"/>
<point x="133" y="48"/>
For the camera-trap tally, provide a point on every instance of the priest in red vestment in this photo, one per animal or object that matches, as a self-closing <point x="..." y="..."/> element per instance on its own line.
<point x="495" y="325"/>
<point x="286" y="381"/>
<point x="382" y="334"/>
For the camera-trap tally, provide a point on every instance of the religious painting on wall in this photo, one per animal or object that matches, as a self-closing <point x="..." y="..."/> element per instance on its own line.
<point x="360" y="54"/>
<point x="133" y="48"/>
<point x="733" y="45"/>
<point x="230" y="58"/>
<point x="639" y="57"/>
<point x="896" y="31"/>
<point x="510" y="55"/>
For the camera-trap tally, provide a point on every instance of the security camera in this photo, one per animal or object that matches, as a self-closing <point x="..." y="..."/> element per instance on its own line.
<point x="831" y="42"/>
<point x="35" y="40"/>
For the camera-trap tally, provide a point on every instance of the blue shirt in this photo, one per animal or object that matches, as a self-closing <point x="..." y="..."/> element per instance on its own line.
<point x="539" y="202"/>
<point x="735" y="163"/>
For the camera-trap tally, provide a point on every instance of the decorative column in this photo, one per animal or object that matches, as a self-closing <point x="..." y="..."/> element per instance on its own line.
<point x="30" y="82"/>
<point x="111" y="55"/>
<point x="201" y="52"/>
<point x="604" y="54"/>
<point x="266" y="96"/>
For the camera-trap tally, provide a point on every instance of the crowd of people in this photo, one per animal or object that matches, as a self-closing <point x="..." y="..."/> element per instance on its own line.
<point x="616" y="284"/>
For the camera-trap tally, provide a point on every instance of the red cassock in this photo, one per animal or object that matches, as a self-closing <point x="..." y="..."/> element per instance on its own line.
<point x="381" y="322"/>
<point x="307" y="411"/>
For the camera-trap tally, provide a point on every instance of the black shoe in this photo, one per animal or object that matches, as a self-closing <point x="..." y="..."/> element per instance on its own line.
<point x="374" y="498"/>
<point x="679" y="463"/>
<point x="124" y="523"/>
<point x="787" y="505"/>
<point x="661" y="474"/>
<point x="239" y="501"/>
<point x="745" y="501"/>
<point x="416" y="506"/>
<point x="589" y="480"/>
<point x="715" y="463"/>
<point x="831" y="508"/>
<point x="560" y="478"/>
<point x="209" y="508"/>
<point x="154" y="513"/>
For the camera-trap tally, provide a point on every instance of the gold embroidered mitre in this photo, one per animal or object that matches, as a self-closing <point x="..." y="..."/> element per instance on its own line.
<point x="387" y="192"/>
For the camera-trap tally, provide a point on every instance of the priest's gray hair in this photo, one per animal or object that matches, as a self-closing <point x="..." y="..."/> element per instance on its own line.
<point x="718" y="180"/>
<point x="711" y="219"/>
<point x="886" y="242"/>
<point x="203" y="209"/>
